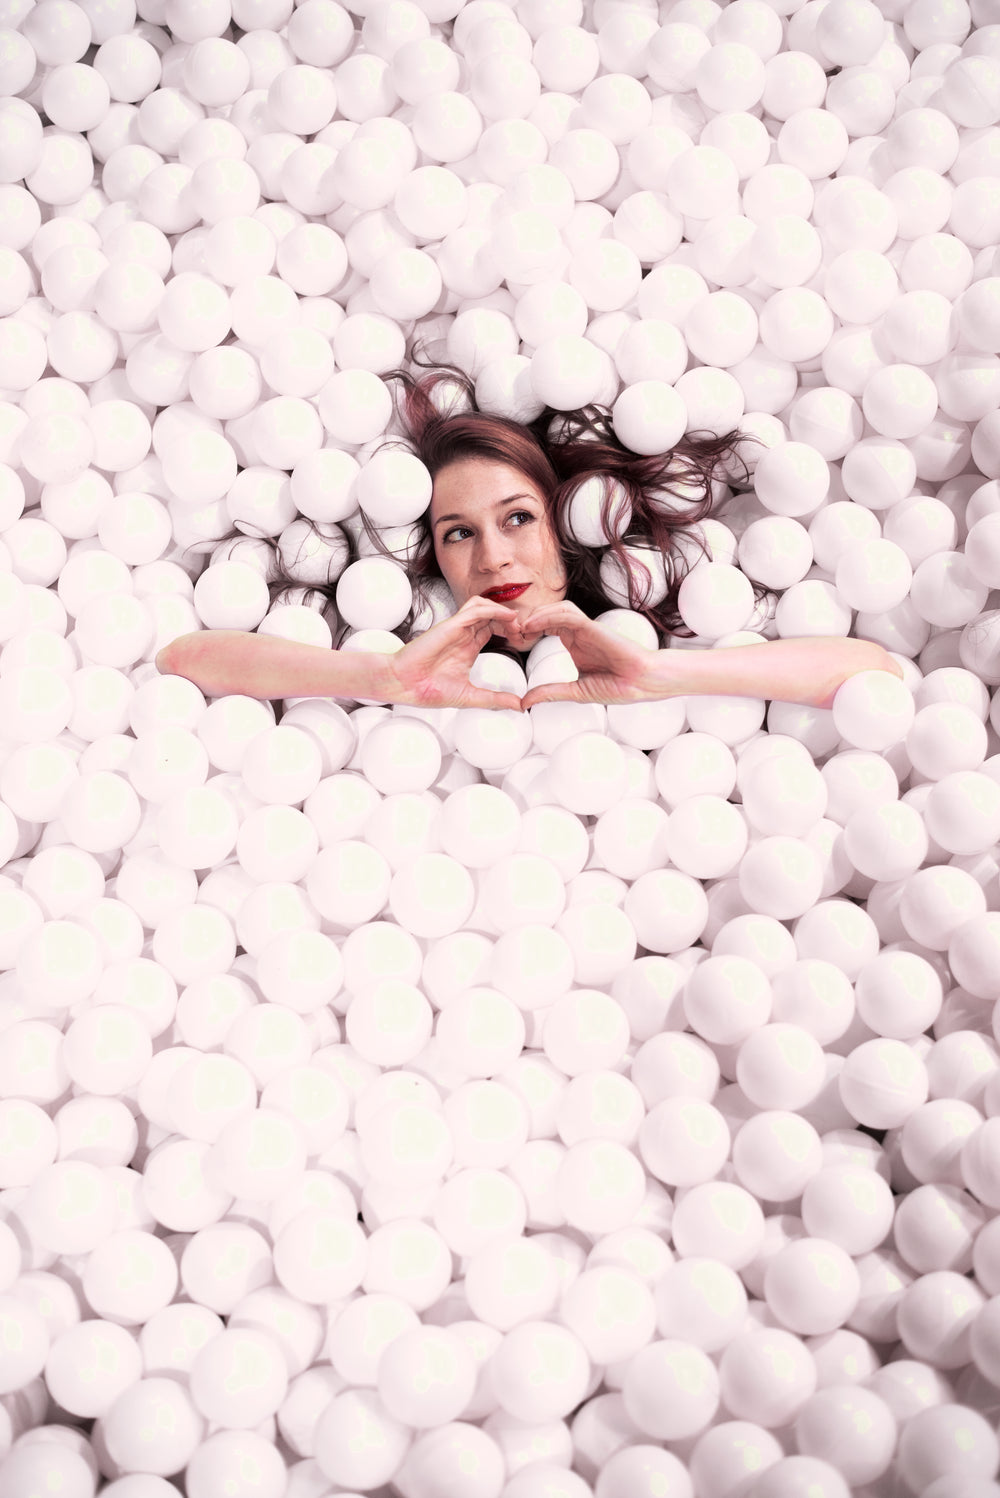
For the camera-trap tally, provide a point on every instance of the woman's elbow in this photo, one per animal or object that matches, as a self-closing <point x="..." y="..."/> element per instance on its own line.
<point x="169" y="661"/>
<point x="881" y="660"/>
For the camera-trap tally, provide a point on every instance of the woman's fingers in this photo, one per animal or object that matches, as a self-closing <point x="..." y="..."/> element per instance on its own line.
<point x="486" y="617"/>
<point x="486" y="606"/>
<point x="547" y="614"/>
<point x="561" y="619"/>
<point x="538" y="619"/>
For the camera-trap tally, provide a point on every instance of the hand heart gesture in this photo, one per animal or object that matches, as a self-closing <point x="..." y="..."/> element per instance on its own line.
<point x="612" y="670"/>
<point x="433" y="669"/>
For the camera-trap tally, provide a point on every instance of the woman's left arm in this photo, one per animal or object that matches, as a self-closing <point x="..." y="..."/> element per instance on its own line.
<point x="807" y="670"/>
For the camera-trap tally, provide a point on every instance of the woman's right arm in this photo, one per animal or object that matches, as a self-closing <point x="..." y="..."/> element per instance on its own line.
<point x="223" y="661"/>
<point x="432" y="670"/>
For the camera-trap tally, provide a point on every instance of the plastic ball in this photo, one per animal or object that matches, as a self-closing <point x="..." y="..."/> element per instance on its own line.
<point x="692" y="1380"/>
<point x="883" y="1080"/>
<point x="426" y="1377"/>
<point x="775" y="1155"/>
<point x="849" y="1206"/>
<point x="792" y="1474"/>
<point x="947" y="1439"/>
<point x="701" y="182"/>
<point x="729" y="1453"/>
<point x="567" y="370"/>
<point x="811" y="1286"/>
<point x="853" y="33"/>
<point x="766" y="1376"/>
<point x="701" y="1301"/>
<point x="650" y="416"/>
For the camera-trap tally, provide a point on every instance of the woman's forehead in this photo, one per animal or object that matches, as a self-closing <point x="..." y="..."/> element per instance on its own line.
<point x="478" y="480"/>
<point x="484" y="468"/>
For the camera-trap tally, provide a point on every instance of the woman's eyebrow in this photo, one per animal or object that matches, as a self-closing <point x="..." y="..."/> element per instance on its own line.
<point x="500" y="502"/>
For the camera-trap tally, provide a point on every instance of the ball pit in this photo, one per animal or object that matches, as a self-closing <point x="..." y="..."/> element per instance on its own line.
<point x="435" y="1103"/>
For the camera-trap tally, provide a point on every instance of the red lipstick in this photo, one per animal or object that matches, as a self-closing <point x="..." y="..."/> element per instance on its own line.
<point x="503" y="595"/>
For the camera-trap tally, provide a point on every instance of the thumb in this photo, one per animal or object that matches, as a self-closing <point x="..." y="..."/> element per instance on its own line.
<point x="497" y="701"/>
<point x="563" y="691"/>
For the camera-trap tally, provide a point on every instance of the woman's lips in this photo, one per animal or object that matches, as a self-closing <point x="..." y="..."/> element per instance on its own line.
<point x="503" y="594"/>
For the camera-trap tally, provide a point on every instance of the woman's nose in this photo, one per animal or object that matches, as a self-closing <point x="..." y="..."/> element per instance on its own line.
<point x="494" y="549"/>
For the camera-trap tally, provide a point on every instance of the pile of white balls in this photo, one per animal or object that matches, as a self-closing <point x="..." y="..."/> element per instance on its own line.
<point x="603" y="1100"/>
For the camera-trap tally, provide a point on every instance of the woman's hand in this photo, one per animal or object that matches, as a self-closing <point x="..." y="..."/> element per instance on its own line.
<point x="433" y="669"/>
<point x="611" y="670"/>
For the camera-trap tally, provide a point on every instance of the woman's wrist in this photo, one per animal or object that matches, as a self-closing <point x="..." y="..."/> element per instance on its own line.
<point x="362" y="676"/>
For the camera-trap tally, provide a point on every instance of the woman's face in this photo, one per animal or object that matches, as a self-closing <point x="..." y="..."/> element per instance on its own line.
<point x="491" y="529"/>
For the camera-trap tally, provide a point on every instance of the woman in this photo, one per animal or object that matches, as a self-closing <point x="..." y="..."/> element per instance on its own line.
<point x="498" y="517"/>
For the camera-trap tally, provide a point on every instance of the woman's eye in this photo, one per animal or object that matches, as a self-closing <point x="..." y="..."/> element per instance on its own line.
<point x="455" y="529"/>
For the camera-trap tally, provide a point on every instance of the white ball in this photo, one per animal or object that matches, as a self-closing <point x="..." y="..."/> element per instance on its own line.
<point x="713" y="398"/>
<point x="153" y="1427"/>
<point x="873" y="710"/>
<point x="786" y="252"/>
<point x="686" y="1375"/>
<point x="644" y="572"/>
<point x="393" y="488"/>
<point x="981" y="548"/>
<point x="400" y="756"/>
<point x="886" y="842"/>
<point x="426" y="1377"/>
<point x="589" y="499"/>
<point x="446" y="126"/>
<point x="649" y="417"/>
<point x="722" y="328"/>
<point x="781" y="1066"/>
<point x="815" y="140"/>
<point x="849" y="1205"/>
<point x="766" y="1376"/>
<point x="878" y="472"/>
<point x="780" y="876"/>
<point x="791" y="479"/>
<point x="946" y="737"/>
<point x="607" y="273"/>
<point x="684" y="1141"/>
<point x="860" y="285"/>
<point x="874" y="577"/>
<point x="775" y="1155"/>
<point x="568" y="372"/>
<point x="949" y="1439"/>
<point x="374" y="593"/>
<point x="900" y="400"/>
<point x="715" y="599"/>
<point x="702" y="182"/>
<point x="882" y="1082"/>
<point x="811" y="1286"/>
<point x="853" y="33"/>
<point x="946" y="592"/>
<point x="231" y="595"/>
<point x="730" y="76"/>
<point x="406" y="284"/>
<point x="589" y="161"/>
<point x="355" y="406"/>
<point x="776" y="552"/>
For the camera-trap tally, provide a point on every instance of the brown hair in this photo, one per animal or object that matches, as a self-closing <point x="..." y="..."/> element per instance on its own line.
<point x="669" y="493"/>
